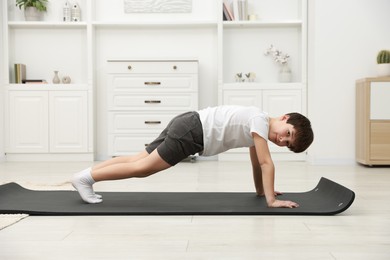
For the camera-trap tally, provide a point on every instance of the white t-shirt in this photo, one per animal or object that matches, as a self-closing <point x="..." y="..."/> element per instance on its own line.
<point x="228" y="127"/>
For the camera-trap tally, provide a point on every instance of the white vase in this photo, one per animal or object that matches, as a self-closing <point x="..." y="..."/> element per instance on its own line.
<point x="56" y="78"/>
<point x="383" y="70"/>
<point x="285" y="74"/>
<point x="32" y="14"/>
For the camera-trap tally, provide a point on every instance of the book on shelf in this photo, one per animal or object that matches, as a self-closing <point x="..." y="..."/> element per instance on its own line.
<point x="243" y="9"/>
<point x="34" y="81"/>
<point x="20" y="72"/>
<point x="226" y="16"/>
<point x="227" y="12"/>
<point x="237" y="10"/>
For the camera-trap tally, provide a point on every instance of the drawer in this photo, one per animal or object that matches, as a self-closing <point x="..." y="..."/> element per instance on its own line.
<point x="120" y="122"/>
<point x="380" y="140"/>
<point x="152" y="83"/>
<point x="128" y="144"/>
<point x="135" y="67"/>
<point x="184" y="102"/>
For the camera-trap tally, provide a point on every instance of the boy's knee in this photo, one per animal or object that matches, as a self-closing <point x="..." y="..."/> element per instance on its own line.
<point x="145" y="174"/>
<point x="144" y="170"/>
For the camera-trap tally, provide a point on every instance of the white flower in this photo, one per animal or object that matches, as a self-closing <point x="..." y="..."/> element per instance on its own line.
<point x="278" y="56"/>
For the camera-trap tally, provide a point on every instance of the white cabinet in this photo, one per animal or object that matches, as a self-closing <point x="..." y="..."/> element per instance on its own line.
<point x="143" y="96"/>
<point x="68" y="121"/>
<point x="46" y="122"/>
<point x="27" y="125"/>
<point x="276" y="102"/>
<point x="280" y="102"/>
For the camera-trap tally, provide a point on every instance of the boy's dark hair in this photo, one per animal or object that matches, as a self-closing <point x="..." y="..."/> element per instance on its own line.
<point x="303" y="132"/>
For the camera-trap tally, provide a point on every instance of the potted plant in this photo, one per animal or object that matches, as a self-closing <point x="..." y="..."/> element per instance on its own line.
<point x="33" y="9"/>
<point x="383" y="60"/>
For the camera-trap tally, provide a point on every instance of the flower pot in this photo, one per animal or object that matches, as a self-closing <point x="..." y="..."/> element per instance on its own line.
<point x="383" y="70"/>
<point x="32" y="14"/>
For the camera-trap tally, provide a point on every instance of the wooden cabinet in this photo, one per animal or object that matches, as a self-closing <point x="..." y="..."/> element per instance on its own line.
<point x="143" y="96"/>
<point x="373" y="121"/>
<point x="46" y="123"/>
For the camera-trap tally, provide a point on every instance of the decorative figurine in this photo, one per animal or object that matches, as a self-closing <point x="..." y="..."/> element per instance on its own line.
<point x="66" y="80"/>
<point x="66" y="12"/>
<point x="76" y="13"/>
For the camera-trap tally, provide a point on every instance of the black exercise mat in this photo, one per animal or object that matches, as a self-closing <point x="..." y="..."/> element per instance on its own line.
<point x="327" y="198"/>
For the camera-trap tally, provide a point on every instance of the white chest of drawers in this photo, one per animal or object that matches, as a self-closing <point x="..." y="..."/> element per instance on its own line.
<point x="143" y="96"/>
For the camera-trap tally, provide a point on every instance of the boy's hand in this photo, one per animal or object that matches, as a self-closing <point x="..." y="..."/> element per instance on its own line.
<point x="283" y="204"/>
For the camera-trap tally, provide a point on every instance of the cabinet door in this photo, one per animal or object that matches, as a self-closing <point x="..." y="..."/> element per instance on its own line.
<point x="280" y="102"/>
<point x="68" y="121"/>
<point x="27" y="130"/>
<point x="380" y="140"/>
<point x="242" y="98"/>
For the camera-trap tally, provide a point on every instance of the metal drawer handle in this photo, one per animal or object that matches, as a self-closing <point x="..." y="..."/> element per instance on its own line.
<point x="152" y="83"/>
<point x="152" y="122"/>
<point x="174" y="67"/>
<point x="129" y="67"/>
<point x="152" y="101"/>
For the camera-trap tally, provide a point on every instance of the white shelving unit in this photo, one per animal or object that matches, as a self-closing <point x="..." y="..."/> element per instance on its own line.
<point x="242" y="45"/>
<point x="81" y="50"/>
<point x="48" y="121"/>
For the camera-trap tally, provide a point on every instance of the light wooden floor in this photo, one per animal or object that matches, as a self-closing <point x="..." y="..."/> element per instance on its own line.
<point x="362" y="232"/>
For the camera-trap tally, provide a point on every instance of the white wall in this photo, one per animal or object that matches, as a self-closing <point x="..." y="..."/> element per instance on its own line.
<point x="344" y="38"/>
<point x="1" y="89"/>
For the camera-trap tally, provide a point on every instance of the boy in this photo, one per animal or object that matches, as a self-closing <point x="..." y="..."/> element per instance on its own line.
<point x="209" y="132"/>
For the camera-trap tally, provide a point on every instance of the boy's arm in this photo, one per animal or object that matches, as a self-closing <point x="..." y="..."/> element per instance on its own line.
<point x="268" y="174"/>
<point x="256" y="169"/>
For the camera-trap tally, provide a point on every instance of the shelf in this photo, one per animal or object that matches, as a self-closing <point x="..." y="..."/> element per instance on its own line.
<point x="44" y="24"/>
<point x="54" y="87"/>
<point x="262" y="85"/>
<point x="286" y="23"/>
<point x="178" y="24"/>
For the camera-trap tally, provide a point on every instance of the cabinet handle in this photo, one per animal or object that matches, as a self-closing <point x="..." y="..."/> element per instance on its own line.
<point x="152" y="122"/>
<point x="152" y="83"/>
<point x="152" y="101"/>
<point x="129" y="67"/>
<point x="174" y="67"/>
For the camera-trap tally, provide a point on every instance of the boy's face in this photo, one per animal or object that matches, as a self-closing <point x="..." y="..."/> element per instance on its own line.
<point x="281" y="133"/>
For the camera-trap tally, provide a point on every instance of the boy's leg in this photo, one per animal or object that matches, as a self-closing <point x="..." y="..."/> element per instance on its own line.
<point x="143" y="167"/>
<point x="85" y="174"/>
<point x="121" y="159"/>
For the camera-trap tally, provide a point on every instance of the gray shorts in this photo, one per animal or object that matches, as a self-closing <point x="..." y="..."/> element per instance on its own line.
<point x="182" y="137"/>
